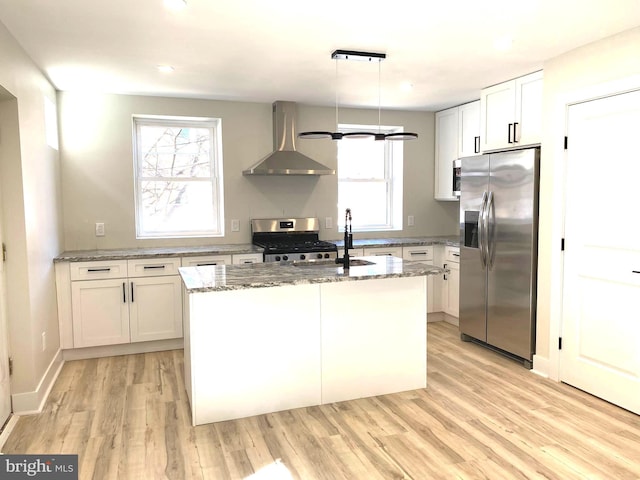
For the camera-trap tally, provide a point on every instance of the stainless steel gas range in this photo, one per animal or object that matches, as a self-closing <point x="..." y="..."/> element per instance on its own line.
<point x="291" y="239"/>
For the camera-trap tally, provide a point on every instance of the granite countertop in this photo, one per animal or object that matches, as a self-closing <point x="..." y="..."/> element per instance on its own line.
<point x="262" y="275"/>
<point x="153" y="252"/>
<point x="131" y="253"/>
<point x="451" y="240"/>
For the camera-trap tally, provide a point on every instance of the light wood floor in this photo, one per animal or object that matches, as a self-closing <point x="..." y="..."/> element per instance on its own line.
<point x="482" y="416"/>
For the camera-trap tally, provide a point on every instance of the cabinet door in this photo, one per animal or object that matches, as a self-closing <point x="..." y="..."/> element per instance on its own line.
<point x="529" y="109"/>
<point x="155" y="308"/>
<point x="445" y="153"/>
<point x="497" y="115"/>
<point x="424" y="255"/>
<point x="469" y="129"/>
<point x="100" y="312"/>
<point x="454" y="290"/>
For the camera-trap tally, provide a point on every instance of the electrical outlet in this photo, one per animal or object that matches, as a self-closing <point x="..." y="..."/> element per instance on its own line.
<point x="235" y="225"/>
<point x="44" y="341"/>
<point x="410" y="221"/>
<point x="328" y="223"/>
<point x="100" y="229"/>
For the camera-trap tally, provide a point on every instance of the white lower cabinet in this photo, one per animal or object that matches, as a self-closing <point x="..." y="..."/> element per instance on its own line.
<point x="155" y="308"/>
<point x="100" y="312"/>
<point x="107" y="311"/>
<point x="425" y="254"/>
<point x="451" y="282"/>
<point x="244" y="258"/>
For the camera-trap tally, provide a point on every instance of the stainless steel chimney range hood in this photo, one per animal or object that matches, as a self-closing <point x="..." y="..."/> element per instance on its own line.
<point x="285" y="160"/>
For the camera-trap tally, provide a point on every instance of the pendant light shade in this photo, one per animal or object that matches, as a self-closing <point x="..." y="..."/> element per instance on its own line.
<point x="378" y="136"/>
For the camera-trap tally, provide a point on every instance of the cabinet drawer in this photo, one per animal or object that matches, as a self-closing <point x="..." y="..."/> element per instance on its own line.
<point x="418" y="253"/>
<point x="98" y="270"/>
<point x="204" y="260"/>
<point x="242" y="258"/>
<point x="353" y="252"/>
<point x="391" y="251"/>
<point x="452" y="254"/>
<point x="153" y="267"/>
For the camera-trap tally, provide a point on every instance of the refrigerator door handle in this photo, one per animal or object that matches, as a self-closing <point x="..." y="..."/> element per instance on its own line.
<point x="490" y="230"/>
<point x="482" y="233"/>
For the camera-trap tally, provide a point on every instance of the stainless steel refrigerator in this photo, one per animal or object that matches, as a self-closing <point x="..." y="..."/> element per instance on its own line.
<point x="498" y="250"/>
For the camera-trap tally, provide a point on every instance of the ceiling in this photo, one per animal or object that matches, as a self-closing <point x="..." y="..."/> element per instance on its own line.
<point x="257" y="50"/>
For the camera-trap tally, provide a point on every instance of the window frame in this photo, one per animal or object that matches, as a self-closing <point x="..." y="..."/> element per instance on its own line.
<point x="215" y="178"/>
<point x="393" y="178"/>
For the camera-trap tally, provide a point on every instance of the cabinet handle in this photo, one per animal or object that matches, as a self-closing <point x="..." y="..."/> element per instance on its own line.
<point x="151" y="267"/>
<point x="515" y="136"/>
<point x="417" y="253"/>
<point x="124" y="293"/>
<point x="455" y="254"/>
<point x="132" y="292"/>
<point x="445" y="275"/>
<point x="99" y="269"/>
<point x="509" y="133"/>
<point x="205" y="264"/>
<point x="476" y="144"/>
<point x="635" y="271"/>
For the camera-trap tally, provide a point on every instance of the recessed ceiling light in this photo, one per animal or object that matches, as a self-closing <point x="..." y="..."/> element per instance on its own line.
<point x="503" y="43"/>
<point x="175" y="4"/>
<point x="406" y="86"/>
<point x="165" y="68"/>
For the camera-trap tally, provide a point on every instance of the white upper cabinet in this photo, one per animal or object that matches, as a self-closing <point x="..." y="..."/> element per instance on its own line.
<point x="469" y="129"/>
<point x="457" y="135"/>
<point x="447" y="125"/>
<point x="511" y="113"/>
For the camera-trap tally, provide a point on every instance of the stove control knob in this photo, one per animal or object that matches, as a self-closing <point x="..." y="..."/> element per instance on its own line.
<point x="285" y="257"/>
<point x="277" y="258"/>
<point x="326" y="255"/>
<point x="319" y="255"/>
<point x="303" y="256"/>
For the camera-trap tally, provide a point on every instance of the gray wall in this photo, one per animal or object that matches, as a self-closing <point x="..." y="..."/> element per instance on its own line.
<point x="97" y="168"/>
<point x="31" y="220"/>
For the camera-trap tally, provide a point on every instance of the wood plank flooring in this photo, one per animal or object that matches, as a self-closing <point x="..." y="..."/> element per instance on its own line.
<point x="482" y="416"/>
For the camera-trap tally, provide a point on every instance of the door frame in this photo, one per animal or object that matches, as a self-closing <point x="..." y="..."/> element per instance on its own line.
<point x="557" y="159"/>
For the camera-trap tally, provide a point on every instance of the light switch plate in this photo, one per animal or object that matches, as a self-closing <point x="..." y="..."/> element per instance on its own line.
<point x="328" y="223"/>
<point x="235" y="225"/>
<point x="100" y="229"/>
<point x="410" y="221"/>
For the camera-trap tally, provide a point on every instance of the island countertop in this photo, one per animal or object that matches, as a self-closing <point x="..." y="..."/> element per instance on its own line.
<point x="264" y="275"/>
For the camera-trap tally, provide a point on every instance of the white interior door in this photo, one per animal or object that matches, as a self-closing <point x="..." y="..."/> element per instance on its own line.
<point x="601" y="316"/>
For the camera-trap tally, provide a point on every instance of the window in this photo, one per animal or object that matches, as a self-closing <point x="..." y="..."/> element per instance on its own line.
<point x="370" y="180"/>
<point x="178" y="177"/>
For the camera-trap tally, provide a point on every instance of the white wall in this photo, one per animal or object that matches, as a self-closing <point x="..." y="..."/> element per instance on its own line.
<point x="573" y="76"/>
<point x="32" y="226"/>
<point x="97" y="168"/>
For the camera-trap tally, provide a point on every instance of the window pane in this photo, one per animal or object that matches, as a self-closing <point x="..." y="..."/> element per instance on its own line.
<point x="361" y="158"/>
<point x="367" y="201"/>
<point x="171" y="151"/>
<point x="177" y="206"/>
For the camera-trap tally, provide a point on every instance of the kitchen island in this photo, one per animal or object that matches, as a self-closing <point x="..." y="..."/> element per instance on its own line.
<point x="268" y="337"/>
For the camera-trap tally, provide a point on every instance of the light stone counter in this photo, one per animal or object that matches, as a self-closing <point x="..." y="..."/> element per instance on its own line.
<point x="450" y="240"/>
<point x="261" y="275"/>
<point x="151" y="252"/>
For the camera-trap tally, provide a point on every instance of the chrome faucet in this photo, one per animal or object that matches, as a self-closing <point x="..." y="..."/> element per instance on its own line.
<point x="348" y="240"/>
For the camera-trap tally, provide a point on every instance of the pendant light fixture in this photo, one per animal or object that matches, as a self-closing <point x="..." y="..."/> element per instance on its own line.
<point x="363" y="57"/>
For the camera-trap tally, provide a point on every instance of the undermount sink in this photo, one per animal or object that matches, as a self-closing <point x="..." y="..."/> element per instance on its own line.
<point x="353" y="262"/>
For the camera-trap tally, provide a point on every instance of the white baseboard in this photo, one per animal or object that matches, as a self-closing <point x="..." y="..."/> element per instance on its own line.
<point x="540" y="366"/>
<point x="122" y="349"/>
<point x="27" y="403"/>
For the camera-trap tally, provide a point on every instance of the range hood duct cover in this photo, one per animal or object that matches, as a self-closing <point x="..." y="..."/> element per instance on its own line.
<point x="285" y="160"/>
